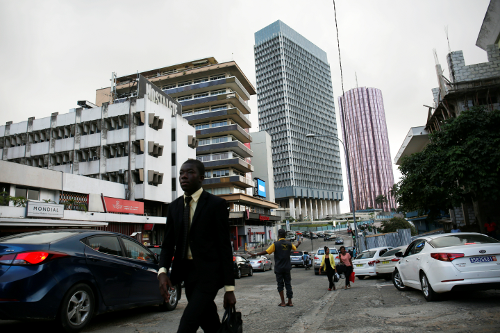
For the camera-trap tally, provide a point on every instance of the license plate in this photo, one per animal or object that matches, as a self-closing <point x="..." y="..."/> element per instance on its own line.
<point x="475" y="260"/>
<point x="385" y="262"/>
<point x="359" y="265"/>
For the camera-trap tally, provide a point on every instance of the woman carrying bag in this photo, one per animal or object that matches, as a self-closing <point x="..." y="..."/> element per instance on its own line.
<point x="328" y="265"/>
<point x="346" y="261"/>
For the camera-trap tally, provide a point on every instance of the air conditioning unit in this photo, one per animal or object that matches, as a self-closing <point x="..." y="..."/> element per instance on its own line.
<point x="121" y="171"/>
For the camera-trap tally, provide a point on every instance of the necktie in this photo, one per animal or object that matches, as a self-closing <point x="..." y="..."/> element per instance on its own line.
<point x="185" y="220"/>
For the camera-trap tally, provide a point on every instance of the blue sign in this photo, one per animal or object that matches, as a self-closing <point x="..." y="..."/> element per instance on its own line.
<point x="261" y="188"/>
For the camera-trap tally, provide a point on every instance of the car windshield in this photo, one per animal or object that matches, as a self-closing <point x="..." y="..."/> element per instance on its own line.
<point x="461" y="239"/>
<point x="156" y="250"/>
<point x="366" y="255"/>
<point x="37" y="238"/>
<point x="391" y="252"/>
<point x="332" y="251"/>
<point x="296" y="253"/>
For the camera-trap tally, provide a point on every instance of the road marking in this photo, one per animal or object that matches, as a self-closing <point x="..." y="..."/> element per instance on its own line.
<point x="378" y="285"/>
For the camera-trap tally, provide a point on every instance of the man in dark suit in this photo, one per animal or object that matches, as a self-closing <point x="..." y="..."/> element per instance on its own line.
<point x="204" y="263"/>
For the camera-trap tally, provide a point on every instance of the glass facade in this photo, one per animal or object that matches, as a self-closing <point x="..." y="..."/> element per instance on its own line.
<point x="365" y="134"/>
<point x="295" y="98"/>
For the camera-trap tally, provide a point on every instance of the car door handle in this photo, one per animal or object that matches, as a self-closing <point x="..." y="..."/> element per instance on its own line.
<point x="407" y="260"/>
<point x="418" y="258"/>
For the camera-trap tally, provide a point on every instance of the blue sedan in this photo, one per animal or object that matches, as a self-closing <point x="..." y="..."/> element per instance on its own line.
<point x="72" y="275"/>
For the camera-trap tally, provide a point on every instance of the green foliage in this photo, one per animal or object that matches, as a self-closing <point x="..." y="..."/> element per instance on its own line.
<point x="461" y="163"/>
<point x="381" y="199"/>
<point x="397" y="223"/>
<point x="5" y="198"/>
<point x="72" y="204"/>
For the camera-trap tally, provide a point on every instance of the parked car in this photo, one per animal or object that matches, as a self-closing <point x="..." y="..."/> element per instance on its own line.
<point x="291" y="235"/>
<point x="314" y="235"/>
<point x="261" y="263"/>
<point x="384" y="266"/>
<point x="364" y="263"/>
<point x="72" y="275"/>
<point x="440" y="263"/>
<point x="242" y="267"/>
<point x="329" y="237"/>
<point x="339" y="241"/>
<point x="156" y="249"/>
<point x="296" y="258"/>
<point x="320" y="234"/>
<point x="319" y="256"/>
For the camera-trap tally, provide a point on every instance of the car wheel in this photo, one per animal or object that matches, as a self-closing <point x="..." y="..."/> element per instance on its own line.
<point x="250" y="272"/>
<point x="398" y="281"/>
<point x="429" y="293"/>
<point x="238" y="274"/>
<point x="271" y="267"/>
<point x="77" y="308"/>
<point x="172" y="302"/>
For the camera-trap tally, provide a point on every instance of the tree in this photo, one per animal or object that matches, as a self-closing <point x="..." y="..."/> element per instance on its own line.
<point x="397" y="223"/>
<point x="460" y="164"/>
<point x="381" y="199"/>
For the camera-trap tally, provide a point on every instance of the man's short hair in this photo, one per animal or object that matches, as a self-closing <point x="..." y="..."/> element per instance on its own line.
<point x="281" y="232"/>
<point x="198" y="164"/>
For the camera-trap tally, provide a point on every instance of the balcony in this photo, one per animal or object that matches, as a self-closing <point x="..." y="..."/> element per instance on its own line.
<point x="234" y="163"/>
<point x="235" y="146"/>
<point x="233" y="113"/>
<point x="231" y="97"/>
<point x="226" y="181"/>
<point x="235" y="130"/>
<point x="40" y="148"/>
<point x="229" y="82"/>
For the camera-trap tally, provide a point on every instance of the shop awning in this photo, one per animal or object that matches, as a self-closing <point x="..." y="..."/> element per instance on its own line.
<point x="16" y="222"/>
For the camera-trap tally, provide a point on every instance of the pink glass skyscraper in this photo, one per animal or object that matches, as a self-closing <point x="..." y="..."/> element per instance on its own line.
<point x="365" y="134"/>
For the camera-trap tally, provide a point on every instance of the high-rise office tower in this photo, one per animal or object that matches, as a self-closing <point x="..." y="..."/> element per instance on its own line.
<point x="365" y="134"/>
<point x="295" y="97"/>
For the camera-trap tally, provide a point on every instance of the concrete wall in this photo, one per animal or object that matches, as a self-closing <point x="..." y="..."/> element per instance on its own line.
<point x="459" y="72"/>
<point x="262" y="161"/>
<point x="181" y="150"/>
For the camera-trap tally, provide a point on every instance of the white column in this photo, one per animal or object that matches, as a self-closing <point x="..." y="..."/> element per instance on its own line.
<point x="291" y="202"/>
<point x="311" y="211"/>
<point x="334" y="207"/>
<point x="299" y="210"/>
<point x="337" y="208"/>
<point x="330" y="207"/>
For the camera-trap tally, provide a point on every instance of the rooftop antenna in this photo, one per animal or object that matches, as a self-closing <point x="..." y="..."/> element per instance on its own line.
<point x="113" y="86"/>
<point x="435" y="56"/>
<point x="356" y="75"/>
<point x="446" y="32"/>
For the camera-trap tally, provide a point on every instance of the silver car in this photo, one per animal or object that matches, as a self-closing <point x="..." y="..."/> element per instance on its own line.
<point x="261" y="263"/>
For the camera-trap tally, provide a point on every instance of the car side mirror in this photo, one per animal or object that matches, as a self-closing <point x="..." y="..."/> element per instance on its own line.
<point x="399" y="254"/>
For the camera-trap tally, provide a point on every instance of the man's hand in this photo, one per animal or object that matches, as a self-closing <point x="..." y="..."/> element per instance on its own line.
<point x="165" y="286"/>
<point x="229" y="299"/>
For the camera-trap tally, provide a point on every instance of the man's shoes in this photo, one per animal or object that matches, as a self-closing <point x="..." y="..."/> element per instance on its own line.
<point x="329" y="289"/>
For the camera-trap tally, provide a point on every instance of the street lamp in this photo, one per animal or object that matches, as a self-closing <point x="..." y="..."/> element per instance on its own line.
<point x="310" y="135"/>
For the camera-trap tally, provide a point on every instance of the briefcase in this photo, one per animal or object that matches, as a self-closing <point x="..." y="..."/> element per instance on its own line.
<point x="231" y="322"/>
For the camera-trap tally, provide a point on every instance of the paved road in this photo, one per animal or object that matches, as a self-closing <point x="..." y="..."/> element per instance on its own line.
<point x="372" y="305"/>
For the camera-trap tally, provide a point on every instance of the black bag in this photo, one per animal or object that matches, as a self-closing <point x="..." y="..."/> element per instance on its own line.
<point x="340" y="268"/>
<point x="336" y="277"/>
<point x="231" y="322"/>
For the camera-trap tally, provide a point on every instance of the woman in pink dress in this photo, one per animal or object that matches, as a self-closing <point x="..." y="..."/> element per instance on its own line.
<point x="346" y="261"/>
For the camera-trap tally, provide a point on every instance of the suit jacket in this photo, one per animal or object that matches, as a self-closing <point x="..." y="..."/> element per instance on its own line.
<point x="208" y="238"/>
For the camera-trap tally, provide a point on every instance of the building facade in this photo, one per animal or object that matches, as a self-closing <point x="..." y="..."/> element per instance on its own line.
<point x="295" y="98"/>
<point x="365" y="135"/>
<point x="263" y="161"/>
<point x="121" y="151"/>
<point x="214" y="98"/>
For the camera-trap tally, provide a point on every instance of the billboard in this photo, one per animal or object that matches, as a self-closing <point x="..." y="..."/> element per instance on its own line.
<point x="156" y="95"/>
<point x="113" y="205"/>
<point x="261" y="187"/>
<point x="40" y="209"/>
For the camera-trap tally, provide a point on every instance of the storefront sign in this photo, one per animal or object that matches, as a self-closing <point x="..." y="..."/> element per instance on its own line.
<point x="156" y="95"/>
<point x="113" y="205"/>
<point x="263" y="218"/>
<point x="148" y="226"/>
<point x="42" y="209"/>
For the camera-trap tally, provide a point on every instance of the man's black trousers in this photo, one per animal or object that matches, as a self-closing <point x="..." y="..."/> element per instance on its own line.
<point x="201" y="310"/>
<point x="284" y="279"/>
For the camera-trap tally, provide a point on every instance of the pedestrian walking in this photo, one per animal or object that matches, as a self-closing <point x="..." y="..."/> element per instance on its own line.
<point x="192" y="254"/>
<point x="328" y="265"/>
<point x="454" y="229"/>
<point x="346" y="261"/>
<point x="282" y="265"/>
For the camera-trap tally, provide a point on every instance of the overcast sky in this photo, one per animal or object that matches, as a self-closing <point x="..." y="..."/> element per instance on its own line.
<point x="53" y="53"/>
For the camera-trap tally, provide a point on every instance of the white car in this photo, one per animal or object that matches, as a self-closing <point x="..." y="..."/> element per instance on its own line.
<point x="441" y="263"/>
<point x="386" y="263"/>
<point x="261" y="263"/>
<point x="364" y="263"/>
<point x="319" y="256"/>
